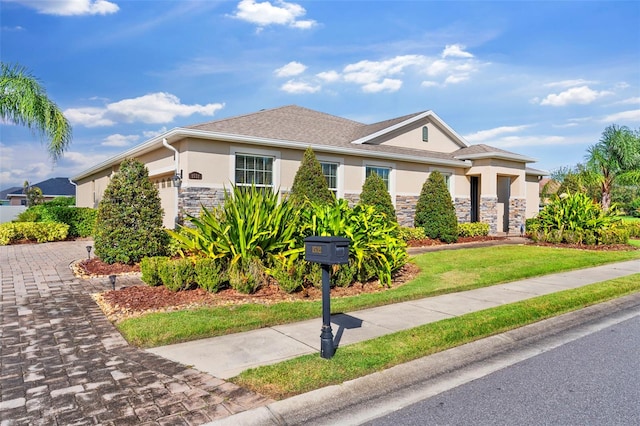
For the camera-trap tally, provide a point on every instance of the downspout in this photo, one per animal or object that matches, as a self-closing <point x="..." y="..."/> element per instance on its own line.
<point x="175" y="179"/>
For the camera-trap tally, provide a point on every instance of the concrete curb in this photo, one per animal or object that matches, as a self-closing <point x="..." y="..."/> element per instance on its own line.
<point x="320" y="404"/>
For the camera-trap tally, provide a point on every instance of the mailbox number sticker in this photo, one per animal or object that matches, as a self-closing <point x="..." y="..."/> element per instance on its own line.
<point x="316" y="249"/>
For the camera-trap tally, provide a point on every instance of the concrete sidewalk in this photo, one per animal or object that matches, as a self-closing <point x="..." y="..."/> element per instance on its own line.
<point x="227" y="356"/>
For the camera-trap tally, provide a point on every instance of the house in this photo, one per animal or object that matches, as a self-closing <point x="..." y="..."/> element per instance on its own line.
<point x="191" y="166"/>
<point x="51" y="188"/>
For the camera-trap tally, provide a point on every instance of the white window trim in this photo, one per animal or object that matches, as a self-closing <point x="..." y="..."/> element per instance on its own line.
<point x="340" y="172"/>
<point x="452" y="178"/>
<point x="257" y="152"/>
<point x="392" y="175"/>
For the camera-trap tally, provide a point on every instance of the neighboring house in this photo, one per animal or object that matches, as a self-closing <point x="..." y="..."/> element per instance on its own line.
<point x="193" y="165"/>
<point x="4" y="201"/>
<point x="51" y="188"/>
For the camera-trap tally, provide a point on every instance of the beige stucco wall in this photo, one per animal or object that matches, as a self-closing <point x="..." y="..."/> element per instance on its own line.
<point x="491" y="169"/>
<point x="533" y="196"/>
<point x="215" y="161"/>
<point x="411" y="137"/>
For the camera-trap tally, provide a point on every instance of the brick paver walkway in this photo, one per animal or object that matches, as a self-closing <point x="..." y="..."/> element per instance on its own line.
<point x="63" y="363"/>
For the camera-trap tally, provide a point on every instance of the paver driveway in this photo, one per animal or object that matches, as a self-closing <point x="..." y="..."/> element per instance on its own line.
<point x="62" y="362"/>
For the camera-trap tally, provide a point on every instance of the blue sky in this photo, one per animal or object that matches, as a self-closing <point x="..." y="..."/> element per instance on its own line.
<point x="541" y="79"/>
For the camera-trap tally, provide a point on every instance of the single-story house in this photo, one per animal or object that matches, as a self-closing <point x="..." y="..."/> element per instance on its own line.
<point x="191" y="166"/>
<point x="51" y="188"/>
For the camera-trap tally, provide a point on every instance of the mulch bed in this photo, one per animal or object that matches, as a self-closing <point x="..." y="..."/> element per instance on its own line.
<point x="133" y="301"/>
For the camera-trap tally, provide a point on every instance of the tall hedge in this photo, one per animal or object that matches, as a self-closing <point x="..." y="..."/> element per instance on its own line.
<point x="374" y="193"/>
<point x="309" y="182"/>
<point x="129" y="222"/>
<point x="435" y="211"/>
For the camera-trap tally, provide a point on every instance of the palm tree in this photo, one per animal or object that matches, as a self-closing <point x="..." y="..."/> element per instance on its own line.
<point x="24" y="101"/>
<point x="616" y="159"/>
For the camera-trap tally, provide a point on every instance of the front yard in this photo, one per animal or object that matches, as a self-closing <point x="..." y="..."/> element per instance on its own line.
<point x="440" y="272"/>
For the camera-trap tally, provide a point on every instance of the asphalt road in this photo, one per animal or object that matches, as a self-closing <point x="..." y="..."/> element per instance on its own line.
<point x="594" y="380"/>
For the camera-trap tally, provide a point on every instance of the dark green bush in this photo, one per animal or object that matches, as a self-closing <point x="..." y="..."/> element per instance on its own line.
<point x="178" y="274"/>
<point x="211" y="274"/>
<point x="129" y="222"/>
<point x="81" y="220"/>
<point x="435" y="211"/>
<point x="309" y="182"/>
<point x="374" y="193"/>
<point x="149" y="267"/>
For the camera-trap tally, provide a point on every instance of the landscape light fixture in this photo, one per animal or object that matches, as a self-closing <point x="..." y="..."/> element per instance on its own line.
<point x="89" y="252"/>
<point x="112" y="279"/>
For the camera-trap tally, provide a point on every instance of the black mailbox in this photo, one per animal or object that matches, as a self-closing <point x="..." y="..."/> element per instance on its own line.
<point x="326" y="250"/>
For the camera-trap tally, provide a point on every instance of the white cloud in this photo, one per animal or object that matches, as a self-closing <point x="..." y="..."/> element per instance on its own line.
<point x="71" y="7"/>
<point x="151" y="108"/>
<point x="88" y="117"/>
<point x="629" y="101"/>
<point x="12" y="29"/>
<point x="387" y="85"/>
<point x="153" y="133"/>
<point x="625" y="116"/>
<point x="428" y="83"/>
<point x="455" y="51"/>
<point x="576" y="95"/>
<point x="266" y="13"/>
<point x="570" y="83"/>
<point x="291" y="69"/>
<point x="120" y="140"/>
<point x="456" y="78"/>
<point x="518" y="141"/>
<point x="373" y="76"/>
<point x="329" y="76"/>
<point x="299" y="87"/>
<point x="490" y="134"/>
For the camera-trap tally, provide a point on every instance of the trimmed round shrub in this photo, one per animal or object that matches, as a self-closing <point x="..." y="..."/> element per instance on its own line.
<point x="435" y="211"/>
<point x="211" y="274"/>
<point x="309" y="182"/>
<point x="179" y="274"/>
<point x="149" y="267"/>
<point x="374" y="193"/>
<point x="129" y="222"/>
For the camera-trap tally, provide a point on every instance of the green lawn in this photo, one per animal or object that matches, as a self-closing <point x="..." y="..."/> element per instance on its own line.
<point x="310" y="372"/>
<point x="441" y="272"/>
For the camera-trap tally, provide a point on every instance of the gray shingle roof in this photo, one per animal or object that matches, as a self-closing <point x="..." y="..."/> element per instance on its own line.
<point x="53" y="186"/>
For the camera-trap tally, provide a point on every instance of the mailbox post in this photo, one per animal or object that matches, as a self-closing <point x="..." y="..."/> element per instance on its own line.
<point x="326" y="251"/>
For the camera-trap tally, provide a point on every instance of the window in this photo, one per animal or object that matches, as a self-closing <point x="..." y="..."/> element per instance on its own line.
<point x="383" y="172"/>
<point x="330" y="172"/>
<point x="425" y="134"/>
<point x="254" y="170"/>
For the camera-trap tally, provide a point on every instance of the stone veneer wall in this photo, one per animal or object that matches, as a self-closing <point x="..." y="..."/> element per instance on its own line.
<point x="463" y="209"/>
<point x="406" y="209"/>
<point x="517" y="214"/>
<point x="489" y="213"/>
<point x="353" y="199"/>
<point x="191" y="199"/>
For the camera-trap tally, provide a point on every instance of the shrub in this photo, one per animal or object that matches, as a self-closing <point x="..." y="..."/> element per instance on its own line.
<point x="211" y="274"/>
<point x="375" y="193"/>
<point x="310" y="183"/>
<point x="343" y="275"/>
<point x="435" y="211"/>
<point x="474" y="229"/>
<point x="81" y="220"/>
<point x="576" y="219"/>
<point x="288" y="272"/>
<point x="407" y="234"/>
<point x="33" y="231"/>
<point x="374" y="247"/>
<point x="633" y="228"/>
<point x="247" y="275"/>
<point x="149" y="267"/>
<point x="251" y="226"/>
<point x="129" y="221"/>
<point x="177" y="274"/>
<point x="634" y="208"/>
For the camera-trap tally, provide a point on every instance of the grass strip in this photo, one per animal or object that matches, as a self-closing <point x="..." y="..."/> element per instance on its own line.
<point x="441" y="272"/>
<point x="310" y="372"/>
